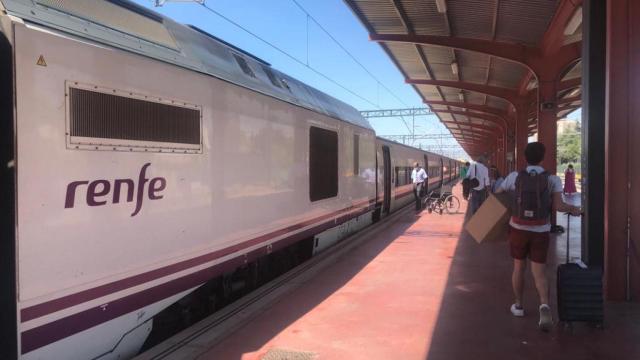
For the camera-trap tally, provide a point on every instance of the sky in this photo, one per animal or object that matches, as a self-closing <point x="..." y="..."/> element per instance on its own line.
<point x="284" y="24"/>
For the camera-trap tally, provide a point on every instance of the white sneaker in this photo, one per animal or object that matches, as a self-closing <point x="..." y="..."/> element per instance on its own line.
<point x="517" y="311"/>
<point x="545" y="318"/>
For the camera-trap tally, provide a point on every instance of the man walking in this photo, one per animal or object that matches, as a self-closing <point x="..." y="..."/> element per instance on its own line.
<point x="536" y="194"/>
<point x="464" y="170"/>
<point x="418" y="177"/>
<point x="479" y="172"/>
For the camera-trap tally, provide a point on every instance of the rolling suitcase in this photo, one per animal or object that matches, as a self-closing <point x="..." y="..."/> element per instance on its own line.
<point x="579" y="290"/>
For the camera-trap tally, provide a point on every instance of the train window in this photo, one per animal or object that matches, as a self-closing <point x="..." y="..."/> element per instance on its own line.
<point x="403" y="175"/>
<point x="272" y="77"/>
<point x="323" y="163"/>
<point x="133" y="121"/>
<point x="243" y="65"/>
<point x="356" y="155"/>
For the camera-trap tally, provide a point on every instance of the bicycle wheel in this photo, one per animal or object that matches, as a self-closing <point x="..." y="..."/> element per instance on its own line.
<point x="452" y="204"/>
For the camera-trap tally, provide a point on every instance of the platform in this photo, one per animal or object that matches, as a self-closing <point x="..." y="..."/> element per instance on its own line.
<point x="423" y="289"/>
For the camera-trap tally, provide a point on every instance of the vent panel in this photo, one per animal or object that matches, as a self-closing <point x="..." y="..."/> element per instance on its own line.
<point x="118" y="15"/>
<point x="243" y="65"/>
<point x="272" y="77"/>
<point x="97" y="115"/>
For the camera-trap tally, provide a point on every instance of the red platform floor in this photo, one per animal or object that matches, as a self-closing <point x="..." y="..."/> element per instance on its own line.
<point x="423" y="289"/>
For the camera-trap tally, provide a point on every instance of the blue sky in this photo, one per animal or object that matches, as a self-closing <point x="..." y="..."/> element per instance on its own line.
<point x="283" y="24"/>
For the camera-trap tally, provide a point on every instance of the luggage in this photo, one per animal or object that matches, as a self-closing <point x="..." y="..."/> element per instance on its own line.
<point x="474" y="182"/>
<point x="468" y="184"/>
<point x="466" y="188"/>
<point x="579" y="290"/>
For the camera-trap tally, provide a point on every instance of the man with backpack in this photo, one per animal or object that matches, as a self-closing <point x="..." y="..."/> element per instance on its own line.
<point x="536" y="193"/>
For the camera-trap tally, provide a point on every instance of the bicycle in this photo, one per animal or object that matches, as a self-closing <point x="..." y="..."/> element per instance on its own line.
<point x="442" y="201"/>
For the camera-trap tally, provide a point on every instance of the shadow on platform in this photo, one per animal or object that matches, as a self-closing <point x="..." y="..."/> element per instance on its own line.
<point x="474" y="321"/>
<point x="300" y="302"/>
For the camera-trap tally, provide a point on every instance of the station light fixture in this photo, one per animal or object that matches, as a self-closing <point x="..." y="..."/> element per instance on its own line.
<point x="574" y="22"/>
<point x="461" y="96"/>
<point x="454" y="68"/>
<point x="442" y="6"/>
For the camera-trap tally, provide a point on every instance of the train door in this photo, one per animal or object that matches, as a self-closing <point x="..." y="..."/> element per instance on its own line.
<point x="386" y="160"/>
<point x="450" y="171"/>
<point x="426" y="169"/>
<point x="441" y="173"/>
<point x="8" y="311"/>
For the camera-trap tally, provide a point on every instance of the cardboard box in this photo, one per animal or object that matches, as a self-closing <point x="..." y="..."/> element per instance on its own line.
<point x="491" y="221"/>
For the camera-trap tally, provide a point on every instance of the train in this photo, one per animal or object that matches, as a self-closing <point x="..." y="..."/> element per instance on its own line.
<point x="153" y="173"/>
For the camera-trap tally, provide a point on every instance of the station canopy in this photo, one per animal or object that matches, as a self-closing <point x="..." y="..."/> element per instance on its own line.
<point x="465" y="57"/>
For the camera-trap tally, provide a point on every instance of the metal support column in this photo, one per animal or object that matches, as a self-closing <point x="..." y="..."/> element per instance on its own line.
<point x="622" y="168"/>
<point x="548" y="127"/>
<point x="548" y="123"/>
<point x="593" y="130"/>
<point x="522" y="136"/>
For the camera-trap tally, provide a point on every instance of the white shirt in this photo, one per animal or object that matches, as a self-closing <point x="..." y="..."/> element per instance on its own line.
<point x="418" y="175"/>
<point x="480" y="172"/>
<point x="509" y="184"/>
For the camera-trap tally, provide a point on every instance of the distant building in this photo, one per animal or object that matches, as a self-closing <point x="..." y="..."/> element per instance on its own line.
<point x="567" y="125"/>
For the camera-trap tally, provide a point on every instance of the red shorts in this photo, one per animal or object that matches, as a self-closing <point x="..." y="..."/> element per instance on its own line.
<point x="535" y="245"/>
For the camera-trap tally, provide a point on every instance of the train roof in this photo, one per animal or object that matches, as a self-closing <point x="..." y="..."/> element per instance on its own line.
<point x="131" y="27"/>
<point x="412" y="147"/>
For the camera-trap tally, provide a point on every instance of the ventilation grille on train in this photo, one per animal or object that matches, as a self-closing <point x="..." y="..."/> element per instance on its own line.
<point x="106" y="116"/>
<point x="243" y="65"/>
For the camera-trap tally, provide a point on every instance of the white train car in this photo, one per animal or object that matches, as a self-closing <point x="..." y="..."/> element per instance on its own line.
<point x="395" y="164"/>
<point x="145" y="159"/>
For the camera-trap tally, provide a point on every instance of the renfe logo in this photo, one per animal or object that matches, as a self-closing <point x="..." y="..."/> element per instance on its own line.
<point x="97" y="190"/>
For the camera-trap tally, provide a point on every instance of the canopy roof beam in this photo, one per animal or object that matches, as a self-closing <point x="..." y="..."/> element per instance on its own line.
<point x="485" y="117"/>
<point x="546" y="66"/>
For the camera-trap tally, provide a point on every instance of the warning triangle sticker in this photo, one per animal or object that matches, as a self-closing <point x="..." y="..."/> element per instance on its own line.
<point x="41" y="61"/>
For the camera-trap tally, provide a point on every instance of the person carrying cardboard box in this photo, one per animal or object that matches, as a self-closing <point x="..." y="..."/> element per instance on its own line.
<point x="536" y="194"/>
<point x="478" y="175"/>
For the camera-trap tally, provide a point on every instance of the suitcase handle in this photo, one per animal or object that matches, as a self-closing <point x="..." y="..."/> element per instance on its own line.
<point x="568" y="232"/>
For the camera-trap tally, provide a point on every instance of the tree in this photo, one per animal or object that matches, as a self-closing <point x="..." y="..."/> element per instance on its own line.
<point x="569" y="147"/>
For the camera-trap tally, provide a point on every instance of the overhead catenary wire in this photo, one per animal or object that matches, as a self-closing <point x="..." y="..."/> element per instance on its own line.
<point x="306" y="65"/>
<point x="287" y="54"/>
<point x="378" y="82"/>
